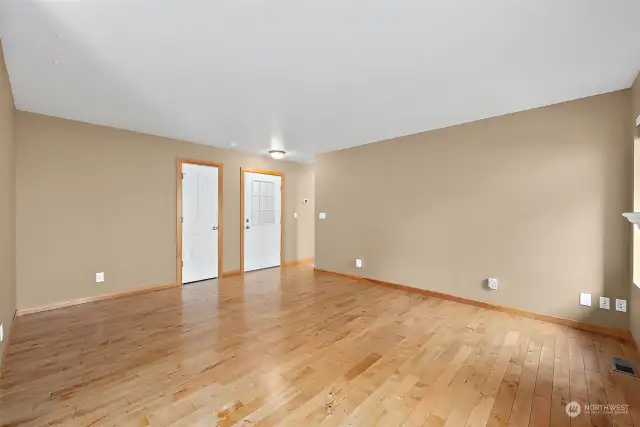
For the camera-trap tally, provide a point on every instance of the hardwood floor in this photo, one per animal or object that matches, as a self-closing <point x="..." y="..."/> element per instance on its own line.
<point x="293" y="348"/>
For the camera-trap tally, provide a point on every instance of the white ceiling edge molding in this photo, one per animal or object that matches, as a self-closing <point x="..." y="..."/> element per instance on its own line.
<point x="633" y="217"/>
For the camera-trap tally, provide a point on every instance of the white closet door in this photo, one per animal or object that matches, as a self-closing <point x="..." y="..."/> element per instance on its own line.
<point x="199" y="222"/>
<point x="262" y="220"/>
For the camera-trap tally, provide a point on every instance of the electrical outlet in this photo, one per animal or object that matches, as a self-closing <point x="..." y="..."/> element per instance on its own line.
<point x="100" y="277"/>
<point x="358" y="263"/>
<point x="621" y="305"/>
<point x="295" y="215"/>
<point x="585" y="299"/>
<point x="322" y="215"/>
<point x="605" y="303"/>
<point x="492" y="283"/>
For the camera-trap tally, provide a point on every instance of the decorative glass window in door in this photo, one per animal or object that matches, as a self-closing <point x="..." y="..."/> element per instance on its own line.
<point x="263" y="200"/>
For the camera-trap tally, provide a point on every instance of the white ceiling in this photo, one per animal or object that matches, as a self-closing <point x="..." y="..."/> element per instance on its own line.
<point x="312" y="76"/>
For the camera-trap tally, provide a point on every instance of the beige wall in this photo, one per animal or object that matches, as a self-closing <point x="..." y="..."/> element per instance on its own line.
<point x="7" y="204"/>
<point x="635" y="290"/>
<point x="533" y="198"/>
<point x="306" y="214"/>
<point x="92" y="198"/>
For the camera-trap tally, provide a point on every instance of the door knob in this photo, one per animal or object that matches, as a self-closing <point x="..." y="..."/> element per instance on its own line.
<point x="215" y="227"/>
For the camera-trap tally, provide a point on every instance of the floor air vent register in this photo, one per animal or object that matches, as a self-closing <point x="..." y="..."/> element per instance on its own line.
<point x="624" y="366"/>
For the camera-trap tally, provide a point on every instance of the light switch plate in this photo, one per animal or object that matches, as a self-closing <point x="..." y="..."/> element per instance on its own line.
<point x="322" y="215"/>
<point x="295" y="215"/>
<point x="358" y="263"/>
<point x="621" y="305"/>
<point x="100" y="277"/>
<point x="585" y="299"/>
<point x="1" y="332"/>
<point x="605" y="303"/>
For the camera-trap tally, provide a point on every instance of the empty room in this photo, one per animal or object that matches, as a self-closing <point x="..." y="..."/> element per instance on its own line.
<point x="277" y="213"/>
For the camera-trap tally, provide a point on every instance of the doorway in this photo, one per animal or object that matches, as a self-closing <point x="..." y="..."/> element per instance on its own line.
<point x="261" y="219"/>
<point x="199" y="220"/>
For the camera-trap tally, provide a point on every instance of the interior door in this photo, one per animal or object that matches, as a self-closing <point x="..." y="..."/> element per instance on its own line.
<point x="199" y="222"/>
<point x="262" y="225"/>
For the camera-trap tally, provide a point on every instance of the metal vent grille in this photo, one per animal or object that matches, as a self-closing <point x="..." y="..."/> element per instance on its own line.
<point x="624" y="366"/>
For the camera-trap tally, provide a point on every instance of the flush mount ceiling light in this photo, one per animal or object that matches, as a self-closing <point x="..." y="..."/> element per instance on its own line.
<point x="277" y="154"/>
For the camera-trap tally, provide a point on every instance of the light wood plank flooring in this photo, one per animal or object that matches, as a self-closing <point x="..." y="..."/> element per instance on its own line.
<point x="288" y="347"/>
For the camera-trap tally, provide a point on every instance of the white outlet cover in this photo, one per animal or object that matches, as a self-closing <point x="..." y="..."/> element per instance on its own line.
<point x="621" y="305"/>
<point x="322" y="215"/>
<point x="358" y="263"/>
<point x="295" y="215"/>
<point x="585" y="299"/>
<point x="492" y="282"/>
<point x="605" y="303"/>
<point x="100" y="277"/>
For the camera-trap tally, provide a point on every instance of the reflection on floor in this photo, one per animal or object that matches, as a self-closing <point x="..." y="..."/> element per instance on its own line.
<point x="290" y="347"/>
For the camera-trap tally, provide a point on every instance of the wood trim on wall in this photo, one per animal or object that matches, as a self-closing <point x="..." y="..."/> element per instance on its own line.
<point x="85" y="300"/>
<point x="6" y="346"/>
<point x="231" y="273"/>
<point x="617" y="333"/>
<point x="181" y="161"/>
<point x="265" y="172"/>
<point x="291" y="262"/>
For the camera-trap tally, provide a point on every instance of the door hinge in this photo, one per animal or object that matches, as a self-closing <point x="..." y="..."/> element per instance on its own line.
<point x="182" y="219"/>
<point x="182" y="263"/>
<point x="182" y="175"/>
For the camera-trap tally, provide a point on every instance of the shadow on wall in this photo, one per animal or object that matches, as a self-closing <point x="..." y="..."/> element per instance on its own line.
<point x="617" y="232"/>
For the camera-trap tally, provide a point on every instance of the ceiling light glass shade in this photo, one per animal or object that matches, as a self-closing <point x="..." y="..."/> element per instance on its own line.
<point x="277" y="154"/>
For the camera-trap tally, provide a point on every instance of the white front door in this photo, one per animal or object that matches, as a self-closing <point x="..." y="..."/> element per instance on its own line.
<point x="262" y="220"/>
<point x="199" y="222"/>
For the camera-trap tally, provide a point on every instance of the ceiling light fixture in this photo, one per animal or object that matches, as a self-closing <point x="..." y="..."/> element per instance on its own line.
<point x="277" y="154"/>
